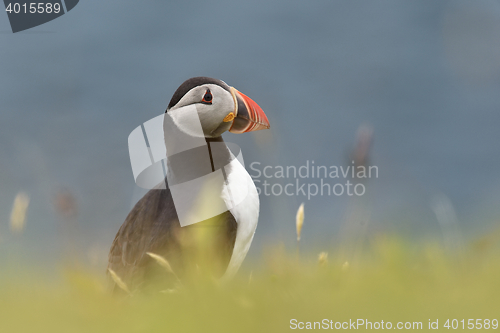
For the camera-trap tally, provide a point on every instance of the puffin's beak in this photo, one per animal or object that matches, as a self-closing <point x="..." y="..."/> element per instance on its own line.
<point x="248" y="115"/>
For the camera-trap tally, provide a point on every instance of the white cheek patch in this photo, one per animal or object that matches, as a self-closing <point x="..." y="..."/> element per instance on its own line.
<point x="183" y="127"/>
<point x="149" y="161"/>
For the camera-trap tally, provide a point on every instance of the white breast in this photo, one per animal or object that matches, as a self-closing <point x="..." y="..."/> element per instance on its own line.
<point x="242" y="198"/>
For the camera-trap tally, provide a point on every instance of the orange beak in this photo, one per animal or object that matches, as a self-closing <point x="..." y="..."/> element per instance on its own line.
<point x="249" y="115"/>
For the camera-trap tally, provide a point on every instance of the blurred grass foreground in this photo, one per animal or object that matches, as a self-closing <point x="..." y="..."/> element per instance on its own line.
<point x="392" y="281"/>
<point x="388" y="280"/>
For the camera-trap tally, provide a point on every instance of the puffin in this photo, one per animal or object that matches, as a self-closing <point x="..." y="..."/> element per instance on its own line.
<point x="201" y="219"/>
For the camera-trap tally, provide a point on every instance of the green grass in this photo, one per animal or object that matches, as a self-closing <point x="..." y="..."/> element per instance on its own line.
<point x="393" y="280"/>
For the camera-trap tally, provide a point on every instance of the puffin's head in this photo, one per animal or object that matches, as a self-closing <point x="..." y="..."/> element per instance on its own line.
<point x="220" y="107"/>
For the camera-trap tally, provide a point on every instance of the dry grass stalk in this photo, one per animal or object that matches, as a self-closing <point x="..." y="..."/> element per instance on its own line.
<point x="119" y="282"/>
<point x="18" y="214"/>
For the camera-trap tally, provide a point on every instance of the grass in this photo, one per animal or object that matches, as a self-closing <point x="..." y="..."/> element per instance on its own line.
<point x="393" y="280"/>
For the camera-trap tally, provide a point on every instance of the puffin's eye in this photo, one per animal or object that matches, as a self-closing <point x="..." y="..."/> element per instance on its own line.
<point x="207" y="98"/>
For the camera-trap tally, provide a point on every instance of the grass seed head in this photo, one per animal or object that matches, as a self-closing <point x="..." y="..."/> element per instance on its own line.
<point x="323" y="258"/>
<point x="163" y="263"/>
<point x="345" y="266"/>
<point x="119" y="282"/>
<point x="299" y="220"/>
<point x="18" y="214"/>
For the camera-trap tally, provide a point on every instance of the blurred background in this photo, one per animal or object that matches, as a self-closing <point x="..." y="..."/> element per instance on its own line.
<point x="416" y="82"/>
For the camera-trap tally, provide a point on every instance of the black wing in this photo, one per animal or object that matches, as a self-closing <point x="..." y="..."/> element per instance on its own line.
<point x="153" y="226"/>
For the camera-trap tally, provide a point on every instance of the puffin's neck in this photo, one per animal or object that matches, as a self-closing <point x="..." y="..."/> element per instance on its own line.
<point x="197" y="162"/>
<point x="213" y="150"/>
